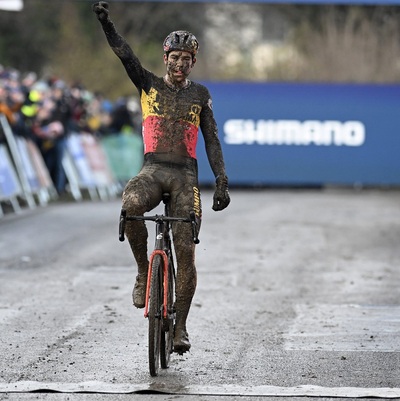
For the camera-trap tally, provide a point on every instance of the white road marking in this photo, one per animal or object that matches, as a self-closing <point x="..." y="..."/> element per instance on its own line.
<point x="232" y="390"/>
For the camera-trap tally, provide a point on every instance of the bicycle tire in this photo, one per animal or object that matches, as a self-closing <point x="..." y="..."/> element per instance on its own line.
<point x="155" y="309"/>
<point x="167" y="331"/>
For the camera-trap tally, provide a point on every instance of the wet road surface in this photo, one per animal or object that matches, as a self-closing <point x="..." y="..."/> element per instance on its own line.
<point x="298" y="296"/>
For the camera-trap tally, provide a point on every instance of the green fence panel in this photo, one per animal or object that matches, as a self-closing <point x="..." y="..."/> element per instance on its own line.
<point x="124" y="153"/>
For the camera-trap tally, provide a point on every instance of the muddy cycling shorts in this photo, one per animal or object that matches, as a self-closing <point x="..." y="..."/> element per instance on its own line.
<point x="177" y="175"/>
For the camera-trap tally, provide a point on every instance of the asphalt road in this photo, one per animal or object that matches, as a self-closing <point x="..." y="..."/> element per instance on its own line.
<point x="298" y="296"/>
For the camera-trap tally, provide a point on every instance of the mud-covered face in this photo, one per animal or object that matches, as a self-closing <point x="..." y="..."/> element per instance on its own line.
<point x="179" y="65"/>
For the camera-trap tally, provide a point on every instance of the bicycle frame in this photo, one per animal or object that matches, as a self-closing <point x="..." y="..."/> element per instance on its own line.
<point x="162" y="232"/>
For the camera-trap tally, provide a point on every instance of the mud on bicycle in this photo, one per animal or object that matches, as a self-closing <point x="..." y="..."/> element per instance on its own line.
<point x="160" y="289"/>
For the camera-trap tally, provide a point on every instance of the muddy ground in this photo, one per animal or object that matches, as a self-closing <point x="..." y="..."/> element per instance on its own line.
<point x="298" y="296"/>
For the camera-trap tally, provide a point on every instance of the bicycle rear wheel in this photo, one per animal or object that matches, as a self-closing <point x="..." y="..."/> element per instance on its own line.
<point x="167" y="330"/>
<point x="155" y="309"/>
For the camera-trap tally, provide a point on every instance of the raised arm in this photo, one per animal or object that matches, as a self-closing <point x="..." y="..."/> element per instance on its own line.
<point x="119" y="45"/>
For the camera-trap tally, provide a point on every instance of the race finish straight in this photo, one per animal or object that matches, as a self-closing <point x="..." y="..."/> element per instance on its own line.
<point x="174" y="111"/>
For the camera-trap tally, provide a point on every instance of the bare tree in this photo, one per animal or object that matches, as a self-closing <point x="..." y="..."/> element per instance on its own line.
<point x="353" y="44"/>
<point x="238" y="41"/>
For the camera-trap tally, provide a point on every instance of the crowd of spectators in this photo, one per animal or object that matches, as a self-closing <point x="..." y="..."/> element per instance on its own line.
<point x="48" y="110"/>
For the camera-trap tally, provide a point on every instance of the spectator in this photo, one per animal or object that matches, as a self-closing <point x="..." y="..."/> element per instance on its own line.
<point x="50" y="128"/>
<point x="47" y="111"/>
<point x="10" y="104"/>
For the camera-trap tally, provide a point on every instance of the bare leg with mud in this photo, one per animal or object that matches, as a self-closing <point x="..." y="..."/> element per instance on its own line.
<point x="139" y="196"/>
<point x="137" y="235"/>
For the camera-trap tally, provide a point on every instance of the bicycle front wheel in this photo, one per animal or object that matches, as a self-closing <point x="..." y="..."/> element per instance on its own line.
<point x="167" y="331"/>
<point x="155" y="309"/>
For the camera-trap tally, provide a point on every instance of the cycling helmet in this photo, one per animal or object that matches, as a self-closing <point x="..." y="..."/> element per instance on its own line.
<point x="181" y="40"/>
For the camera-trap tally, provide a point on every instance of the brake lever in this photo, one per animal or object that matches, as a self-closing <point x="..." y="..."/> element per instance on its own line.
<point x="122" y="220"/>
<point x="195" y="233"/>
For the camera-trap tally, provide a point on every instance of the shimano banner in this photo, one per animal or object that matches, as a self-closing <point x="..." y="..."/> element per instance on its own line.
<point x="307" y="134"/>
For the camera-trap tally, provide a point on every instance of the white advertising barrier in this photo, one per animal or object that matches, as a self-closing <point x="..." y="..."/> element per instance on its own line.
<point x="86" y="167"/>
<point x="31" y="170"/>
<point x="17" y="160"/>
<point x="44" y="187"/>
<point x="39" y="165"/>
<point x="10" y="187"/>
<point x="98" y="162"/>
<point x="77" y="169"/>
<point x="35" y="170"/>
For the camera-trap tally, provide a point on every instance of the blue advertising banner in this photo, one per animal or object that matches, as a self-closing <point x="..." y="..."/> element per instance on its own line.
<point x="306" y="134"/>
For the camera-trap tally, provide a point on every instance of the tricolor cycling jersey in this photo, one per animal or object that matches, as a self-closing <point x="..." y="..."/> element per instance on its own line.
<point x="171" y="119"/>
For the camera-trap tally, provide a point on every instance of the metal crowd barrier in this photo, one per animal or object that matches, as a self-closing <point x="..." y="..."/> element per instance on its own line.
<point x="94" y="168"/>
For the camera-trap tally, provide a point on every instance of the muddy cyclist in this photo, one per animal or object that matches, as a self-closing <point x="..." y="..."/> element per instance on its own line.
<point x="173" y="110"/>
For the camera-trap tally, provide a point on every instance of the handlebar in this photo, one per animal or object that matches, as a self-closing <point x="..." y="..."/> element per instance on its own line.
<point x="159" y="218"/>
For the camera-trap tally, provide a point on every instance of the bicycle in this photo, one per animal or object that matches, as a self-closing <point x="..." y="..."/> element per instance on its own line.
<point x="160" y="290"/>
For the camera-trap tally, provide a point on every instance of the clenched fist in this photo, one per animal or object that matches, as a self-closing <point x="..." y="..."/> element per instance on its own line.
<point x="101" y="10"/>
<point x="221" y="195"/>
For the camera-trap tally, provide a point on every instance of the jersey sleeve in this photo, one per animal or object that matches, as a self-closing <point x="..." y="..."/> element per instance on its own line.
<point x="138" y="75"/>
<point x="209" y="130"/>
